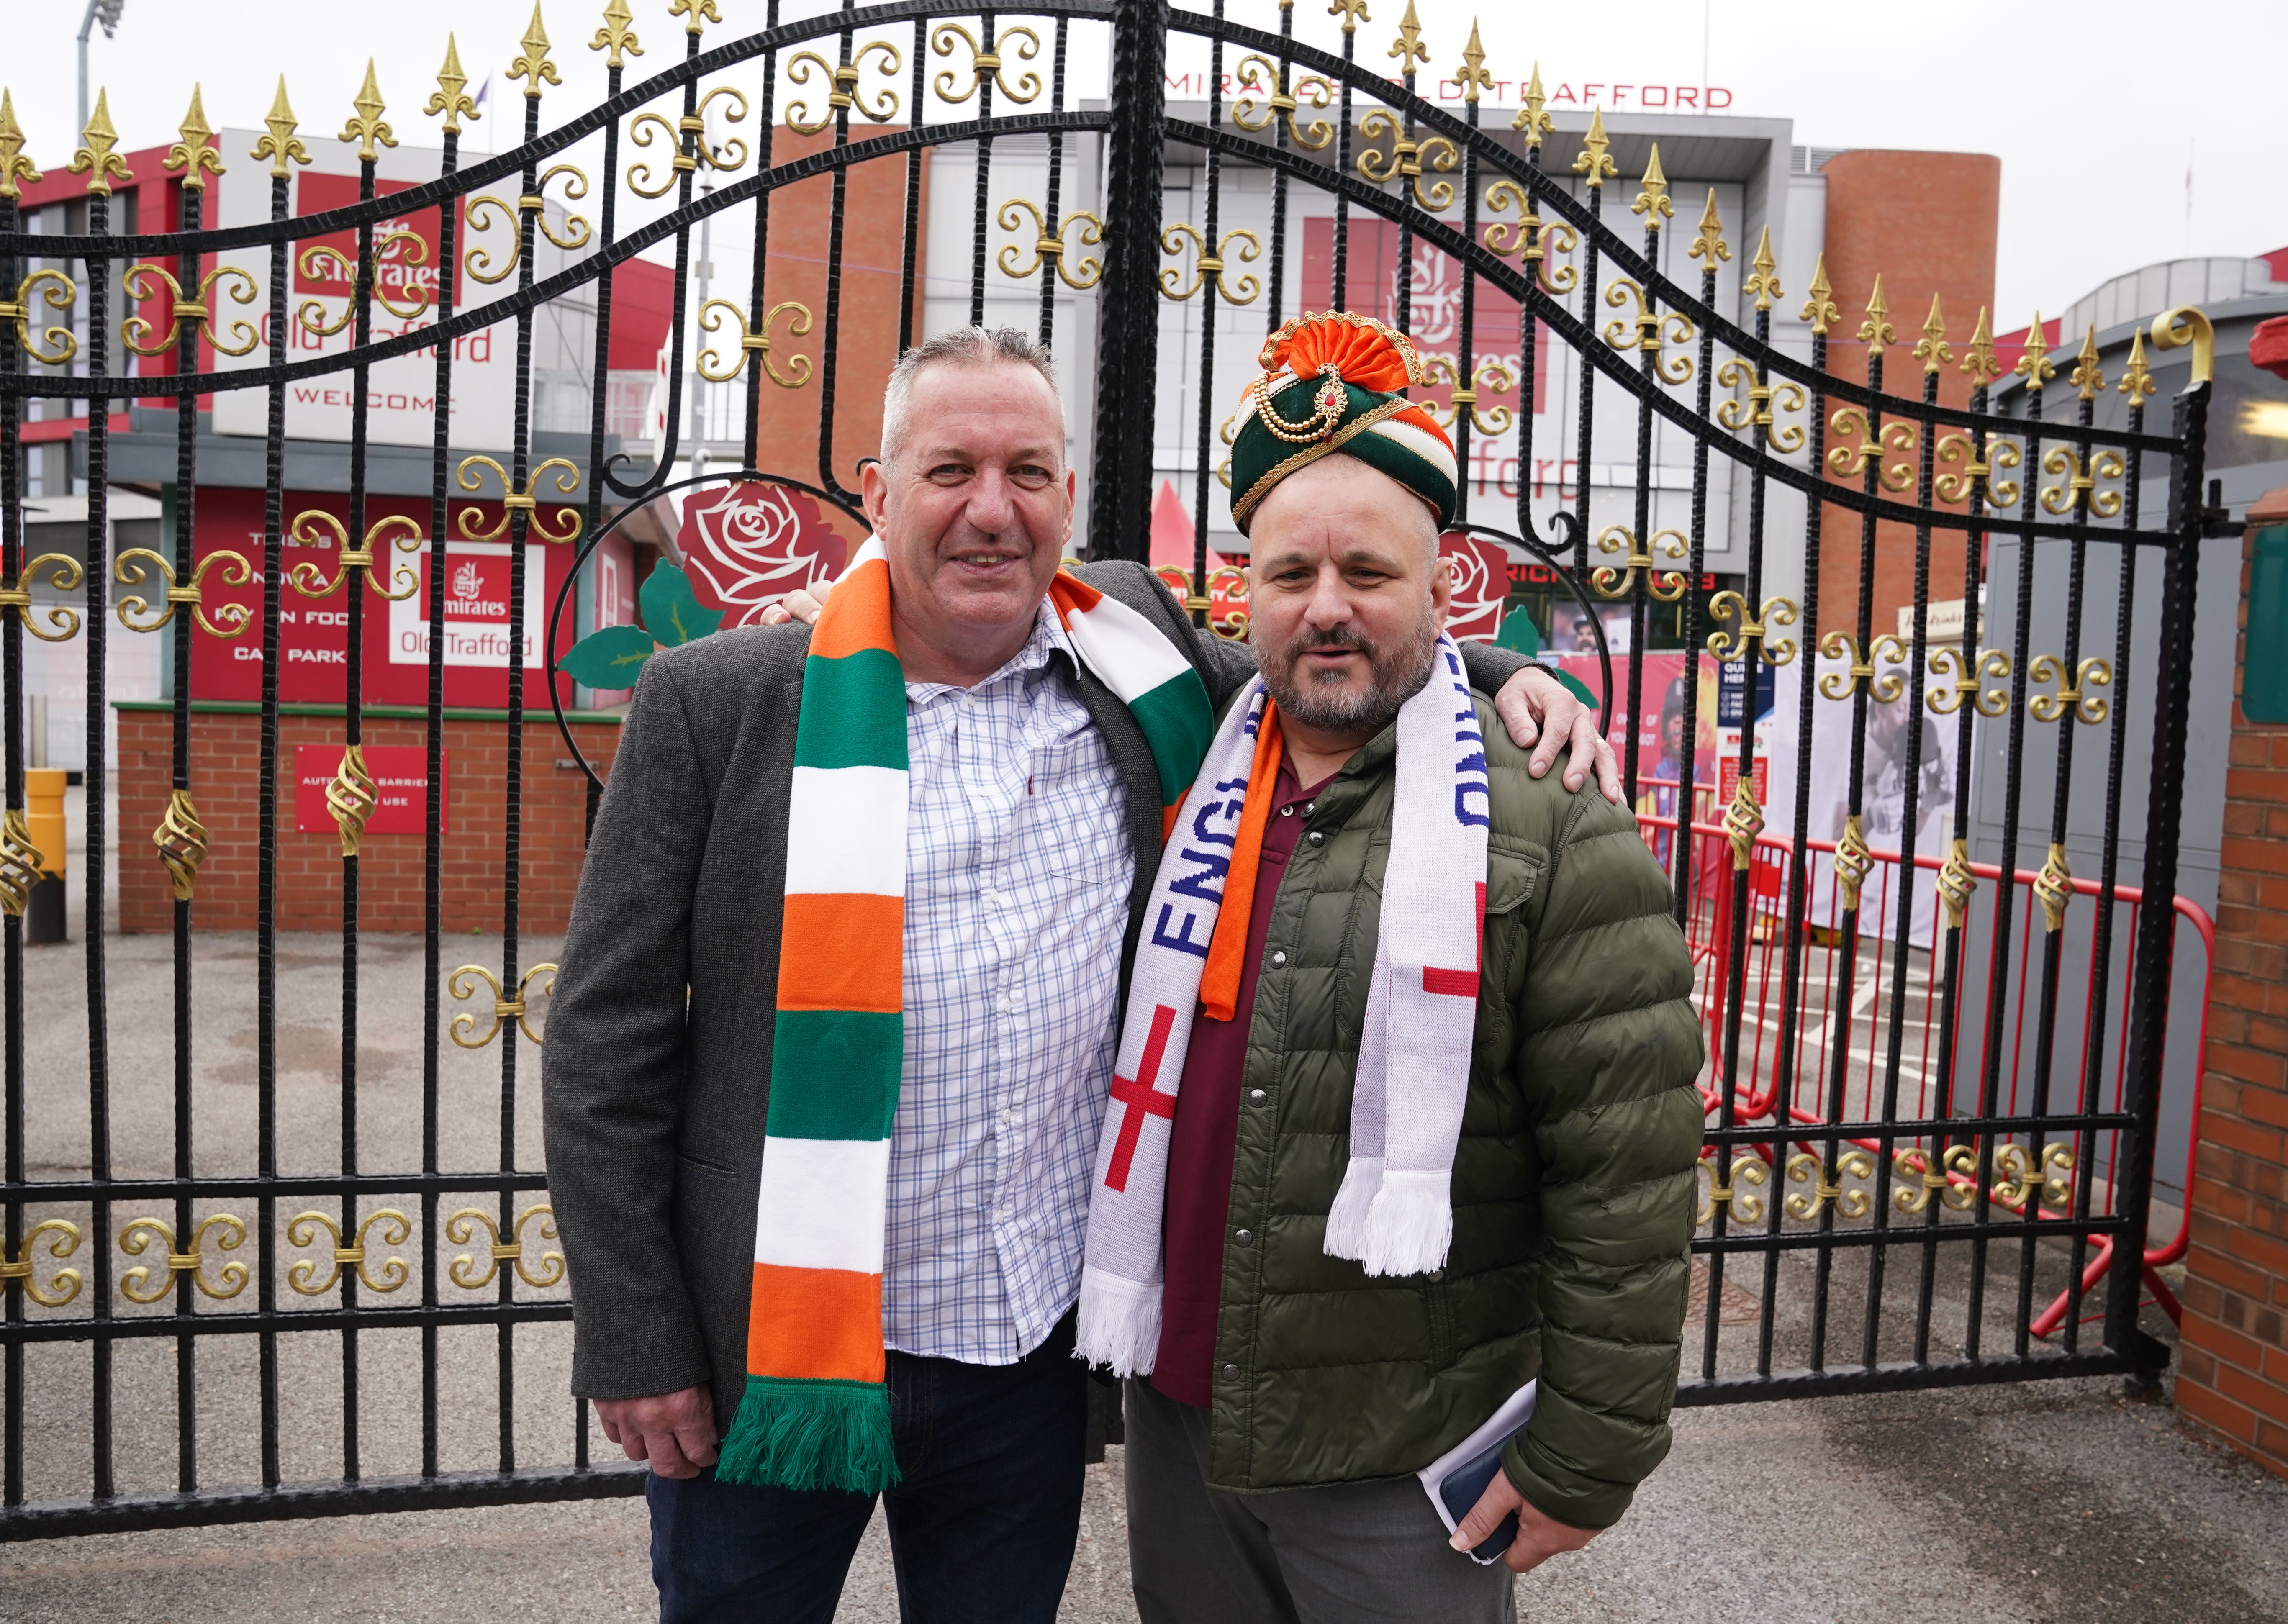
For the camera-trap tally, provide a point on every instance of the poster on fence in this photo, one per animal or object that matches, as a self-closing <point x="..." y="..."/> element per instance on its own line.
<point x="1892" y="761"/>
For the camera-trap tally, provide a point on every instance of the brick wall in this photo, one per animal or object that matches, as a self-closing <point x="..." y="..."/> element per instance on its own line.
<point x="1927" y="223"/>
<point x="2234" y="1378"/>
<point x="225" y="777"/>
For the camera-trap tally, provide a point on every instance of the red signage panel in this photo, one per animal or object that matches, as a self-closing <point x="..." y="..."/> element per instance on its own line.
<point x="400" y="776"/>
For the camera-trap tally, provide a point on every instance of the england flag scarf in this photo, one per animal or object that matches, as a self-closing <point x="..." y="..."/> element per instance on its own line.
<point x="1393" y="1214"/>
<point x="815" y="1414"/>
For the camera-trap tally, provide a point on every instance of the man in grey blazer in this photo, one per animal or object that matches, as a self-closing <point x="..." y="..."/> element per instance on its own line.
<point x="1034" y="829"/>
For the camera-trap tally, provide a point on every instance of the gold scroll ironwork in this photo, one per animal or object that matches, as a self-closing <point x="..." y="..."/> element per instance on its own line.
<point x="1851" y="461"/>
<point x="1951" y="1177"/>
<point x="2081" y="482"/>
<point x="1256" y="72"/>
<point x="1075" y="272"/>
<point x="65" y="1284"/>
<point x="1755" y="412"/>
<point x="846" y="93"/>
<point x="65" y="576"/>
<point x="505" y="1009"/>
<point x="58" y="293"/>
<point x="1730" y="1194"/>
<point x="181" y="840"/>
<point x="1959" y="449"/>
<point x="21" y="863"/>
<point x="985" y="64"/>
<point x="513" y="500"/>
<point x="1609" y="582"/>
<point x="1750" y="631"/>
<point x="2025" y="1178"/>
<point x="130" y="569"/>
<point x="1208" y="267"/>
<point x="1966" y="687"/>
<point x="1407" y="160"/>
<point x="1496" y="380"/>
<point x="302" y="1230"/>
<point x="461" y="1229"/>
<point x="144" y="1285"/>
<point x="237" y="283"/>
<point x="1649" y="336"/>
<point x="2174" y="330"/>
<point x="2072" y="698"/>
<point x="755" y="342"/>
<point x="314" y="262"/>
<point x="1843" y="684"/>
<point x="1536" y="243"/>
<point x="478" y="259"/>
<point x="1826" y="1184"/>
<point x="311" y="528"/>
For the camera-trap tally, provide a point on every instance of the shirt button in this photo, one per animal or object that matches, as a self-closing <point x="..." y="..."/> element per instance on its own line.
<point x="1004" y="1003"/>
<point x="1437" y="1274"/>
<point x="1257" y="1096"/>
<point x="1287" y="812"/>
<point x="1231" y="1373"/>
<point x="1309" y="807"/>
<point x="1278" y="958"/>
<point x="1246" y="1237"/>
<point x="1318" y="838"/>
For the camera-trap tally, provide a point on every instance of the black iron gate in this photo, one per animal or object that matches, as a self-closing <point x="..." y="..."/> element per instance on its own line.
<point x="1829" y="1164"/>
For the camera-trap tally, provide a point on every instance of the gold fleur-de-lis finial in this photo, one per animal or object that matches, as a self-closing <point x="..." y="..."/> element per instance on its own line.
<point x="1764" y="281"/>
<point x="1876" y="330"/>
<point x="452" y="82"/>
<point x="1932" y="350"/>
<point x="194" y="153"/>
<point x="95" y="159"/>
<point x="2089" y="382"/>
<point x="1352" y="12"/>
<point x="617" y="34"/>
<point x="533" y="67"/>
<point x="1978" y="359"/>
<point x="15" y="168"/>
<point x="1652" y="198"/>
<point x="1474" y="77"/>
<point x="2137" y="380"/>
<point x="691" y="12"/>
<point x="1710" y="243"/>
<point x="1531" y="118"/>
<point x="369" y="126"/>
<point x="1593" y="162"/>
<point x="2034" y="365"/>
<point x="282" y="145"/>
<point x="1819" y="310"/>
<point x="1408" y="47"/>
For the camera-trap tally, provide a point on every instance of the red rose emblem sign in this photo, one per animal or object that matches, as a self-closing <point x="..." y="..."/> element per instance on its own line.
<point x="747" y="546"/>
<point x="1481" y="570"/>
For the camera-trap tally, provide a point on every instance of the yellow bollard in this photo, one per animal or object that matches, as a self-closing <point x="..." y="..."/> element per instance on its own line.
<point x="44" y="815"/>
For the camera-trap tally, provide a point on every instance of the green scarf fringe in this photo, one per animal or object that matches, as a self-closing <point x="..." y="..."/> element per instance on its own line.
<point x="793" y="1434"/>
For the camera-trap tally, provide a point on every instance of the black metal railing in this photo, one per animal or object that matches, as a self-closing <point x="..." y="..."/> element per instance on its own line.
<point x="1960" y="1163"/>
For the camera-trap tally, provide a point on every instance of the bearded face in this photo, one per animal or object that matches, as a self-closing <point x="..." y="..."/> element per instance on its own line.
<point x="1358" y="695"/>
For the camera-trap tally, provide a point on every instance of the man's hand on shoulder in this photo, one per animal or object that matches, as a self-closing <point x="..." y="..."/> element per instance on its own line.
<point x="799" y="605"/>
<point x="675" y="1432"/>
<point x="1543" y="715"/>
<point x="1539" y="1535"/>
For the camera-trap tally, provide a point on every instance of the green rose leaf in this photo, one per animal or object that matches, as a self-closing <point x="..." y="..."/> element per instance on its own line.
<point x="1518" y="632"/>
<point x="672" y="609"/>
<point x="609" y="658"/>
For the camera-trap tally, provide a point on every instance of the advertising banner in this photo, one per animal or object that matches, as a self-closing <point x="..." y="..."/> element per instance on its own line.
<point x="400" y="776"/>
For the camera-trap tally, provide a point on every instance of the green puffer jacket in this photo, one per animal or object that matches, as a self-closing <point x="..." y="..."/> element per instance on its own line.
<point x="1572" y="1182"/>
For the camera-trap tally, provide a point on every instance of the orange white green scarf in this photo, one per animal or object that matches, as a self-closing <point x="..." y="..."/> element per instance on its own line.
<point x="815" y="1414"/>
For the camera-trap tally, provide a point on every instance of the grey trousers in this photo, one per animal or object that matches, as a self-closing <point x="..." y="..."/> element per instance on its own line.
<point x="1348" y="1553"/>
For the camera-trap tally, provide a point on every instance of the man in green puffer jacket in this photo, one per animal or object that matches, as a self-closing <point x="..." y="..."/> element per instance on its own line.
<point x="1292" y="1394"/>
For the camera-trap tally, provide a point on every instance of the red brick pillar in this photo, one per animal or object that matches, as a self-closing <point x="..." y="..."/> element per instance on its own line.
<point x="2234" y="1378"/>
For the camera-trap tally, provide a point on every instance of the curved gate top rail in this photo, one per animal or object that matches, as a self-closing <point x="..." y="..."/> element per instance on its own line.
<point x="1834" y="1152"/>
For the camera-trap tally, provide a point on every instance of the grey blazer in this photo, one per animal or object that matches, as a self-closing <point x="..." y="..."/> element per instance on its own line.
<point x="656" y="1072"/>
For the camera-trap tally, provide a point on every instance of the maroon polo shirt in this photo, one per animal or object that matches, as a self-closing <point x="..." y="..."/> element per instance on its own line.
<point x="1205" y="1136"/>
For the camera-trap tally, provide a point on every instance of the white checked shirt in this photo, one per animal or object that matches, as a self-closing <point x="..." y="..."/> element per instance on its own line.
<point x="1018" y="866"/>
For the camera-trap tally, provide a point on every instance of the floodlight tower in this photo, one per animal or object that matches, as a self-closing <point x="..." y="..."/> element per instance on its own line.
<point x="104" y="11"/>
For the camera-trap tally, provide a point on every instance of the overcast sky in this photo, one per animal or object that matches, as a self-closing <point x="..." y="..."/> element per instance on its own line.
<point x="2095" y="107"/>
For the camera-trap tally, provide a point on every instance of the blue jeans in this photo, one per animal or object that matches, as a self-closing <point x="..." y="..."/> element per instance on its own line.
<point x="982" y="1522"/>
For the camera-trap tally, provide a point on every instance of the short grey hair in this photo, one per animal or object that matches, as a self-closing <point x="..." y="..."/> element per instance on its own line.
<point x="960" y="347"/>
